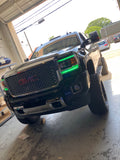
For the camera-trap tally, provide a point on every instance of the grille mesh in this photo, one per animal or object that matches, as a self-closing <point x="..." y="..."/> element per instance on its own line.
<point x="34" y="80"/>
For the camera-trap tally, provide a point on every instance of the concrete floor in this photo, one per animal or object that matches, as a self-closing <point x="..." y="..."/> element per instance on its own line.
<point x="75" y="135"/>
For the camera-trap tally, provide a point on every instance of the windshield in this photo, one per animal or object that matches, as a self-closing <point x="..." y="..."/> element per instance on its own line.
<point x="62" y="44"/>
<point x="69" y="41"/>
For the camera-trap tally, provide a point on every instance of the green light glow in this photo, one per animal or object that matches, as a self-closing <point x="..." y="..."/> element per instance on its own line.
<point x="5" y="89"/>
<point x="63" y="59"/>
<point x="70" y="69"/>
<point x="2" y="79"/>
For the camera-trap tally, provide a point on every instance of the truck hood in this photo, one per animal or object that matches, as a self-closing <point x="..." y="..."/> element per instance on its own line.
<point x="40" y="60"/>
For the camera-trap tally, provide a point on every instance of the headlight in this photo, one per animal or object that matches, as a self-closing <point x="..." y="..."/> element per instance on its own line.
<point x="68" y="64"/>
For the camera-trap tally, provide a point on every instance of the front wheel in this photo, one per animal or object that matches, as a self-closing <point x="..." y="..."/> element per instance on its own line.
<point x="99" y="102"/>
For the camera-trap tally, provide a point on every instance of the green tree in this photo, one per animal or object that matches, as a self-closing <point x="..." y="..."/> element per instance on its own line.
<point x="100" y="22"/>
<point x="92" y="29"/>
<point x="51" y="37"/>
<point x="97" y="25"/>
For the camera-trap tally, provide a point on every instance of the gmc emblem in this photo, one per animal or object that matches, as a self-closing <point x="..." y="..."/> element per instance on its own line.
<point x="28" y="80"/>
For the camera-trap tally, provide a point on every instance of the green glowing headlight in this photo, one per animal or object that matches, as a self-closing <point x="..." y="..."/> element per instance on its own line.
<point x="70" y="69"/>
<point x="68" y="64"/>
<point x="63" y="59"/>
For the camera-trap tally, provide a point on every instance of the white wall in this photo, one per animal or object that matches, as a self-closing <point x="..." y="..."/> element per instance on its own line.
<point x="7" y="46"/>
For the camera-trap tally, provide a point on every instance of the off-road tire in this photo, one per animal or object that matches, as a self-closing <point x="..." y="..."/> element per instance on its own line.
<point x="105" y="67"/>
<point x="99" y="103"/>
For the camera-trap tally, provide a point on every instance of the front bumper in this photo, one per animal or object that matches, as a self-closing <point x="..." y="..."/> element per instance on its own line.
<point x="54" y="106"/>
<point x="60" y="99"/>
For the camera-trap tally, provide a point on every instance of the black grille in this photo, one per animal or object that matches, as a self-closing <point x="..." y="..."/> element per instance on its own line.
<point x="34" y="80"/>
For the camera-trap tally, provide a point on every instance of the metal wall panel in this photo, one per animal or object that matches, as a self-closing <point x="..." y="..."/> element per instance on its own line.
<point x="12" y="9"/>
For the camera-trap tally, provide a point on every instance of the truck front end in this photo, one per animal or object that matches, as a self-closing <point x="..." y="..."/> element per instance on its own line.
<point x="54" y="83"/>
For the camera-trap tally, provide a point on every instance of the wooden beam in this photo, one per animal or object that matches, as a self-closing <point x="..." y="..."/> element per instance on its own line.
<point x="19" y="8"/>
<point x="118" y="1"/>
<point x="16" y="41"/>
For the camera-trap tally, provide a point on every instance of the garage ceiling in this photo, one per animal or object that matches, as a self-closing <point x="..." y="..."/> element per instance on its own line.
<point x="12" y="9"/>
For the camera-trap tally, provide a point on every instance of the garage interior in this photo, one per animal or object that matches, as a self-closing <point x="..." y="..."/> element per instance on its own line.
<point x="10" y="45"/>
<point x="76" y="135"/>
<point x="10" y="10"/>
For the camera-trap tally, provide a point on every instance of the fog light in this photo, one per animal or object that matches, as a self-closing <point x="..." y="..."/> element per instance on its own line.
<point x="76" y="88"/>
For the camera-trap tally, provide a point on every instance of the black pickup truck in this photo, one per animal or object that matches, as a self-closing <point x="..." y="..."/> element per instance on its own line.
<point x="62" y="74"/>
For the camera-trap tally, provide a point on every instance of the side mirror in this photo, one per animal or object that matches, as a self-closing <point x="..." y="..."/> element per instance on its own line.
<point x="94" y="37"/>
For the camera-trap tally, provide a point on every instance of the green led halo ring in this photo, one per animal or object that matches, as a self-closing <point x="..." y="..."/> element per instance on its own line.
<point x="70" y="69"/>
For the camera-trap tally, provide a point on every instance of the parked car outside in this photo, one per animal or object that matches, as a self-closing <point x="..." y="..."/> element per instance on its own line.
<point x="103" y="45"/>
<point x="116" y="38"/>
<point x="4" y="60"/>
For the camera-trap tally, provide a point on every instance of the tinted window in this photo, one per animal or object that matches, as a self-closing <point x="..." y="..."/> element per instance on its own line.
<point x="61" y="44"/>
<point x="68" y="41"/>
